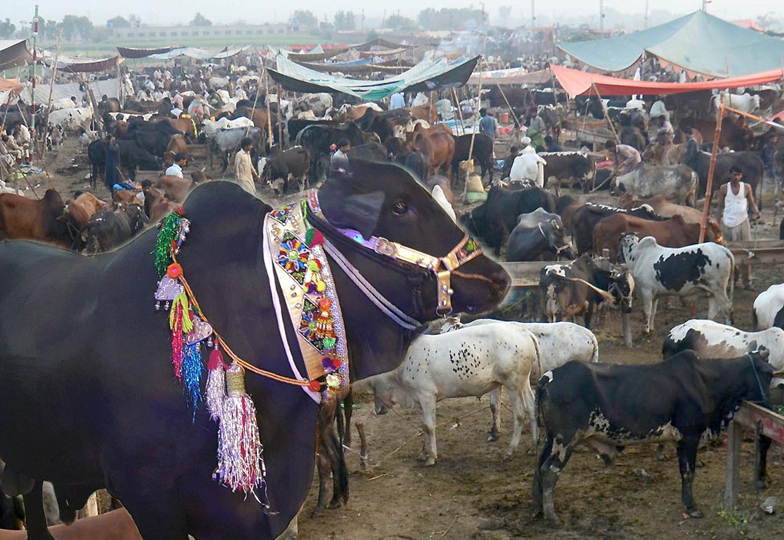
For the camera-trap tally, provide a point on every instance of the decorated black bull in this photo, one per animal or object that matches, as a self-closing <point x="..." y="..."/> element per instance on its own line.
<point x="89" y="395"/>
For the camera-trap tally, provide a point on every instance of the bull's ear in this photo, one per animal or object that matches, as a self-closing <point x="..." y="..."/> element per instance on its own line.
<point x="345" y="208"/>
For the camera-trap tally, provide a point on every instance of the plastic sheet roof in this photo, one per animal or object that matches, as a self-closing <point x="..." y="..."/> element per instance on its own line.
<point x="429" y="74"/>
<point x="577" y="83"/>
<point x="14" y="53"/>
<point x="697" y="42"/>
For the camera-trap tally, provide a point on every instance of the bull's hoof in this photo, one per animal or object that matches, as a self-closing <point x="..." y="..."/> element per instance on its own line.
<point x="317" y="511"/>
<point x="694" y="513"/>
<point x="761" y="484"/>
<point x="429" y="462"/>
<point x="492" y="437"/>
<point x="334" y="504"/>
<point x="553" y="520"/>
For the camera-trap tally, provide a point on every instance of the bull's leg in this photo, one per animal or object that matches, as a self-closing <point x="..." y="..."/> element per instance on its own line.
<point x="428" y="403"/>
<point x="323" y="464"/>
<point x="647" y="310"/>
<point x="550" y="471"/>
<point x="36" y="519"/>
<point x="761" y="462"/>
<point x="687" y="460"/>
<point x="536" y="495"/>
<point x="522" y="402"/>
<point x="495" y="410"/>
<point x="348" y="410"/>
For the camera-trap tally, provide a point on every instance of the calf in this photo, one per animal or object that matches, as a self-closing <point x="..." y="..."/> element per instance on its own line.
<point x="677" y="183"/>
<point x="175" y="188"/>
<point x="107" y="230"/>
<point x="660" y="271"/>
<point x="577" y="287"/>
<point x="570" y="167"/>
<point x="585" y="219"/>
<point x="768" y="308"/>
<point x="610" y="406"/>
<point x="465" y="362"/>
<point x="81" y="209"/>
<point x="157" y="206"/>
<point x="283" y="167"/>
<point x="482" y="153"/>
<point x="673" y="232"/>
<point x="546" y="239"/>
<point x="710" y="339"/>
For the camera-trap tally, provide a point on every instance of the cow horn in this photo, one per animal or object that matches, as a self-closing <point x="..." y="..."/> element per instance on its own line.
<point x="604" y="294"/>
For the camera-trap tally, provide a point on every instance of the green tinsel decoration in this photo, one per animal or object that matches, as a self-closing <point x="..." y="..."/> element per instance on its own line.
<point x="170" y="228"/>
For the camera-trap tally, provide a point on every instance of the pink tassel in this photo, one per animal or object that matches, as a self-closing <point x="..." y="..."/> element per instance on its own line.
<point x="240" y="461"/>
<point x="177" y="341"/>
<point x="216" y="384"/>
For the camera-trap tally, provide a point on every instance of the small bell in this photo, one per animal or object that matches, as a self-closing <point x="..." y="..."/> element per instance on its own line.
<point x="157" y="306"/>
<point x="166" y="306"/>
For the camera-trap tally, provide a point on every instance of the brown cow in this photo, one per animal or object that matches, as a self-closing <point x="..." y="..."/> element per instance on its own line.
<point x="157" y="206"/>
<point x="114" y="525"/>
<point x="29" y="219"/>
<point x="735" y="134"/>
<point x="178" y="145"/>
<point x="258" y="116"/>
<point x="426" y="112"/>
<point x="125" y="197"/>
<point x="438" y="145"/>
<point x="674" y="232"/>
<point x="176" y="189"/>
<point x="83" y="207"/>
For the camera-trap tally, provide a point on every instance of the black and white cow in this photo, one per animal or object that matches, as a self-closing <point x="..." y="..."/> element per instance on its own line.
<point x="568" y="167"/>
<point x="466" y="362"/>
<point x="678" y="183"/>
<point x="538" y="234"/>
<point x="662" y="271"/>
<point x="769" y="308"/>
<point x="575" y="288"/>
<point x="710" y="339"/>
<point x="607" y="407"/>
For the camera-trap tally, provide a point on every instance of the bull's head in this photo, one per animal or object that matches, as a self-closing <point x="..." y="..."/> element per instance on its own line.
<point x="622" y="287"/>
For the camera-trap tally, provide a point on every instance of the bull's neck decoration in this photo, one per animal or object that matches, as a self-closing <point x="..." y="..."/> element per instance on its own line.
<point x="302" y="270"/>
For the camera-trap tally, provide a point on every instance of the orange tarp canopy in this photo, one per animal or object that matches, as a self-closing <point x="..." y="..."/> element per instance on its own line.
<point x="10" y="84"/>
<point x="580" y="83"/>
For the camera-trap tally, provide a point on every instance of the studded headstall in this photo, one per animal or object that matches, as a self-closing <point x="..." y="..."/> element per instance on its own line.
<point x="466" y="250"/>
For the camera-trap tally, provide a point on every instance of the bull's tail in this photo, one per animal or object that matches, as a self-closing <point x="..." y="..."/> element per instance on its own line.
<point x="595" y="344"/>
<point x="340" y="469"/>
<point x="731" y="287"/>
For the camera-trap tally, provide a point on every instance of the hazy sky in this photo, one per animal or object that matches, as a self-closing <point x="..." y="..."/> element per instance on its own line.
<point x="154" y="12"/>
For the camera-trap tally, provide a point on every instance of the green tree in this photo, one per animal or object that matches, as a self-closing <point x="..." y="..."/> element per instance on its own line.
<point x="7" y="28"/>
<point x="200" y="20"/>
<point x="345" y="20"/>
<point x="118" y="22"/>
<point x="77" y="28"/>
<point x="449" y="18"/>
<point x="398" y="22"/>
<point x="305" y="19"/>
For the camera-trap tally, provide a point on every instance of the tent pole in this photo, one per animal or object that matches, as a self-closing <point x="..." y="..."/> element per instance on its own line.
<point x="511" y="110"/>
<point x="606" y="114"/>
<point x="269" y="114"/>
<point x="459" y="112"/>
<point x="711" y="169"/>
<point x="51" y="89"/>
<point x="281" y="141"/>
<point x="473" y="131"/>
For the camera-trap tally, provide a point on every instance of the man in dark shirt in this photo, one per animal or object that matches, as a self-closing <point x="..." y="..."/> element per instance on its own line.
<point x="692" y="149"/>
<point x="551" y="145"/>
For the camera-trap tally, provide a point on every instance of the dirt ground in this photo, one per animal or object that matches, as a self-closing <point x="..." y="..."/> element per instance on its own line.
<point x="475" y="491"/>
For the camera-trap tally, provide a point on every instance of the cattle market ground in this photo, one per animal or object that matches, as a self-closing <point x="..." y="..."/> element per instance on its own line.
<point x="474" y="484"/>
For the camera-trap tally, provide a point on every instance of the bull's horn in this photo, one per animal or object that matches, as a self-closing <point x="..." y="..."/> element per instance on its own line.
<point x="601" y="292"/>
<point x="779" y="374"/>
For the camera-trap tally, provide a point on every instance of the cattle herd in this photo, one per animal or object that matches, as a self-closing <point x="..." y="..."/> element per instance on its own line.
<point x="612" y="244"/>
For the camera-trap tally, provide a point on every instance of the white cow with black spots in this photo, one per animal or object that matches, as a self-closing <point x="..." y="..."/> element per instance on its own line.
<point x="71" y="119"/>
<point x="559" y="343"/>
<point x="710" y="339"/>
<point x="465" y="362"/>
<point x="769" y="308"/>
<point x="662" y="271"/>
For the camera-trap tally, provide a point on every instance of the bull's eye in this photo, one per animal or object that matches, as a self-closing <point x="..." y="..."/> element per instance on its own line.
<point x="401" y="207"/>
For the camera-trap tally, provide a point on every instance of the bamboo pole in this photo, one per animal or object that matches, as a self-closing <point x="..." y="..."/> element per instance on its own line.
<point x="281" y="142"/>
<point x="51" y="90"/>
<point x="606" y="114"/>
<point x="269" y="113"/>
<point x="511" y="111"/>
<point x="473" y="133"/>
<point x="459" y="112"/>
<point x="711" y="170"/>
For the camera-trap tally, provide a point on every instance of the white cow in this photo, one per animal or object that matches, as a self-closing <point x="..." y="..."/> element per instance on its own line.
<point x="71" y="119"/>
<point x="64" y="103"/>
<point x="465" y="362"/>
<point x="743" y="102"/>
<point x="528" y="168"/>
<point x="677" y="183"/>
<point x="210" y="127"/>
<point x="710" y="339"/>
<point x="768" y="308"/>
<point x="218" y="82"/>
<point x="660" y="271"/>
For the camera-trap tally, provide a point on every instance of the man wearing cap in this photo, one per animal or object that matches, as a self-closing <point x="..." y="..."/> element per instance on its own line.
<point x="735" y="199"/>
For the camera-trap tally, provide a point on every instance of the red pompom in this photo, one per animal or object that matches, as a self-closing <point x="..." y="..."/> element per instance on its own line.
<point x="315" y="386"/>
<point x="318" y="238"/>
<point x="216" y="360"/>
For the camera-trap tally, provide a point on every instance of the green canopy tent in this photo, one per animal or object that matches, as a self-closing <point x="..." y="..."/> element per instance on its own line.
<point x="697" y="42"/>
<point x="429" y="74"/>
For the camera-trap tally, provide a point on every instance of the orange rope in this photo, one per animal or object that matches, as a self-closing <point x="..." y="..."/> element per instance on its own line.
<point x="232" y="354"/>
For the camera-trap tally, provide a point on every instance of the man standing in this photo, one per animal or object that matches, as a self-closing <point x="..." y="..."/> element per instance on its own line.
<point x="22" y="138"/>
<point x="625" y="158"/>
<point x="112" y="162"/>
<point x="551" y="145"/>
<point x="340" y="157"/>
<point x="243" y="167"/>
<point x="735" y="199"/>
<point x="397" y="101"/>
<point x="692" y="148"/>
<point x="176" y="168"/>
<point x="536" y="131"/>
<point x="487" y="124"/>
<point x="768" y="155"/>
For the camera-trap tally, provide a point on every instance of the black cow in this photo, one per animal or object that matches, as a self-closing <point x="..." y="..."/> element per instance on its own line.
<point x="569" y="166"/>
<point x="295" y="125"/>
<point x="12" y="513"/>
<point x="152" y="136"/>
<point x="374" y="122"/>
<point x="371" y="151"/>
<point x="609" y="406"/>
<point x="495" y="218"/>
<point x="292" y="161"/>
<point x="132" y="157"/>
<point x="585" y="219"/>
<point x="87" y="409"/>
<point x="545" y="241"/>
<point x="108" y="229"/>
<point x="749" y="162"/>
<point x="417" y="163"/>
<point x="575" y="288"/>
<point x="318" y="139"/>
<point x="482" y="153"/>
